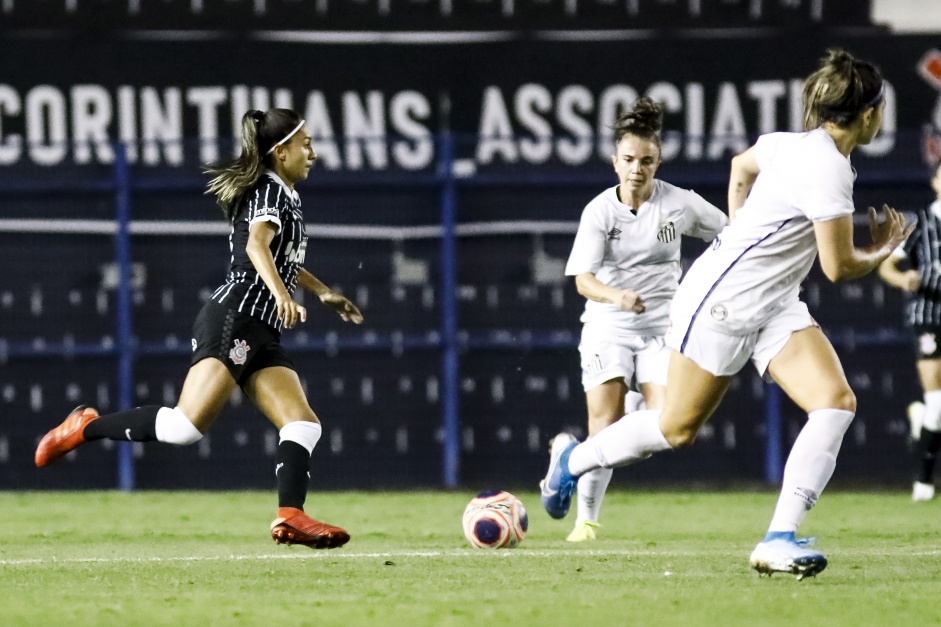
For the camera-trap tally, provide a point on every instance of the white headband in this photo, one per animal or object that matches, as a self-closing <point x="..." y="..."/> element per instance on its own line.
<point x="286" y="138"/>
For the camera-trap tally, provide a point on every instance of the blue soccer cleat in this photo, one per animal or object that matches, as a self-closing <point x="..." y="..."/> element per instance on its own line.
<point x="781" y="552"/>
<point x="559" y="485"/>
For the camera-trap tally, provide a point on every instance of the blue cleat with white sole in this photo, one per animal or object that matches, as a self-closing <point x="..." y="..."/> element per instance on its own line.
<point x="781" y="552"/>
<point x="559" y="485"/>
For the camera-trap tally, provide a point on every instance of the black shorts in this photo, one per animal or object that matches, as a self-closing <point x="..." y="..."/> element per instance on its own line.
<point x="927" y="342"/>
<point x="244" y="344"/>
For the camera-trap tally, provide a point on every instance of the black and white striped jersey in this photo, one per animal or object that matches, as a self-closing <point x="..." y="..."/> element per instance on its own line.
<point x="923" y="249"/>
<point x="270" y="200"/>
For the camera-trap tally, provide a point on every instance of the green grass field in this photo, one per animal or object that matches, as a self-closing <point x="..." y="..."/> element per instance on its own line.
<point x="663" y="558"/>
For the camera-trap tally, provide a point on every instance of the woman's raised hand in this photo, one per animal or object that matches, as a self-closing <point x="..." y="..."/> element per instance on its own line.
<point x="891" y="231"/>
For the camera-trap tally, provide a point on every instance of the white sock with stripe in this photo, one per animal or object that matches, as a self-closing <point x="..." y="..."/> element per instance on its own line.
<point x="591" y="489"/>
<point x="809" y="466"/>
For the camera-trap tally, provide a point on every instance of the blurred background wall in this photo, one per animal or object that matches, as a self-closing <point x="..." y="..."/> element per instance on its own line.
<point x="459" y="141"/>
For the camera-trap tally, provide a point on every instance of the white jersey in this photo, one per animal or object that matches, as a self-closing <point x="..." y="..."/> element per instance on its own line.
<point x="640" y="252"/>
<point x="755" y="267"/>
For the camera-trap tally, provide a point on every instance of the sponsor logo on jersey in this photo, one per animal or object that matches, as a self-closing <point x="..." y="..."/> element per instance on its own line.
<point x="667" y="233"/>
<point x="264" y="212"/>
<point x="614" y="233"/>
<point x="194" y="344"/>
<point x="239" y="352"/>
<point x="719" y="312"/>
<point x="296" y="255"/>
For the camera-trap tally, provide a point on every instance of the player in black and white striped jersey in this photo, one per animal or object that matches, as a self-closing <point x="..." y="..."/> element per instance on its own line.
<point x="922" y="282"/>
<point x="237" y="334"/>
<point x="270" y="200"/>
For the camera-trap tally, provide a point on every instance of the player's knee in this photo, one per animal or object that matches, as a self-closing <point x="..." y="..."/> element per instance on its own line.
<point x="300" y="414"/>
<point x="174" y="427"/>
<point x="845" y="399"/>
<point x="680" y="437"/>
<point x="598" y="422"/>
<point x="304" y="432"/>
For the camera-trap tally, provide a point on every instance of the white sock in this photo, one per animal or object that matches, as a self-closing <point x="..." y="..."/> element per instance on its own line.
<point x="932" y="419"/>
<point x="809" y="466"/>
<point x="303" y="432"/>
<point x="173" y="427"/>
<point x="634" y="401"/>
<point x="630" y="439"/>
<point x="591" y="488"/>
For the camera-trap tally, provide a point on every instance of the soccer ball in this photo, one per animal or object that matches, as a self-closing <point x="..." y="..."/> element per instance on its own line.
<point x="495" y="520"/>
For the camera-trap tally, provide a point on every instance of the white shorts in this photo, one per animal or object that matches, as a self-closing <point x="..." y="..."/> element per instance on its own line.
<point x="608" y="355"/>
<point x="723" y="354"/>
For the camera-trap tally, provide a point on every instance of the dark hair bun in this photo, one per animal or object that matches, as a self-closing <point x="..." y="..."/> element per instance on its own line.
<point x="644" y="119"/>
<point x="648" y="114"/>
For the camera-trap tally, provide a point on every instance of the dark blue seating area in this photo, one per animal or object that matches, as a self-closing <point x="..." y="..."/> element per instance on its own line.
<point x="865" y="306"/>
<point x="39" y="396"/>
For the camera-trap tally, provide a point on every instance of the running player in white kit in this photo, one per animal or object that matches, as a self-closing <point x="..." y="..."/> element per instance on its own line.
<point x="790" y="197"/>
<point x="626" y="263"/>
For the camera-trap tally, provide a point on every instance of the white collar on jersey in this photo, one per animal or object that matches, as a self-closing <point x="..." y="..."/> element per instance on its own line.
<point x="290" y="192"/>
<point x="616" y="198"/>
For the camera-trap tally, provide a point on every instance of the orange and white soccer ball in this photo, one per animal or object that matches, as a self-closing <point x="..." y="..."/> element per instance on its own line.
<point x="495" y="520"/>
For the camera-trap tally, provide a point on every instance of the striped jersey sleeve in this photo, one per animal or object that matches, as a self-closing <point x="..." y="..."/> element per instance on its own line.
<point x="923" y="248"/>
<point x="266" y="204"/>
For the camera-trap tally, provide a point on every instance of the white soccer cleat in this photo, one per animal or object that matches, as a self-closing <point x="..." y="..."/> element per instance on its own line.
<point x="922" y="492"/>
<point x="916" y="418"/>
<point x="782" y="553"/>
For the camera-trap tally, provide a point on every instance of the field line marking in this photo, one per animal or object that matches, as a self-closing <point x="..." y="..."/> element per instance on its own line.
<point x="324" y="555"/>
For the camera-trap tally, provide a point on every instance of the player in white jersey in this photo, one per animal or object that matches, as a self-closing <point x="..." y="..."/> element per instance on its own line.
<point x="790" y="198"/>
<point x="626" y="263"/>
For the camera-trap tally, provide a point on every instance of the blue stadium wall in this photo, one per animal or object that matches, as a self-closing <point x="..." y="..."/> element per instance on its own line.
<point x="526" y="117"/>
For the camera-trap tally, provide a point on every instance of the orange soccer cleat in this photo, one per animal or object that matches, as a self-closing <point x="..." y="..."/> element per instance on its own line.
<point x="66" y="437"/>
<point x="293" y="526"/>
